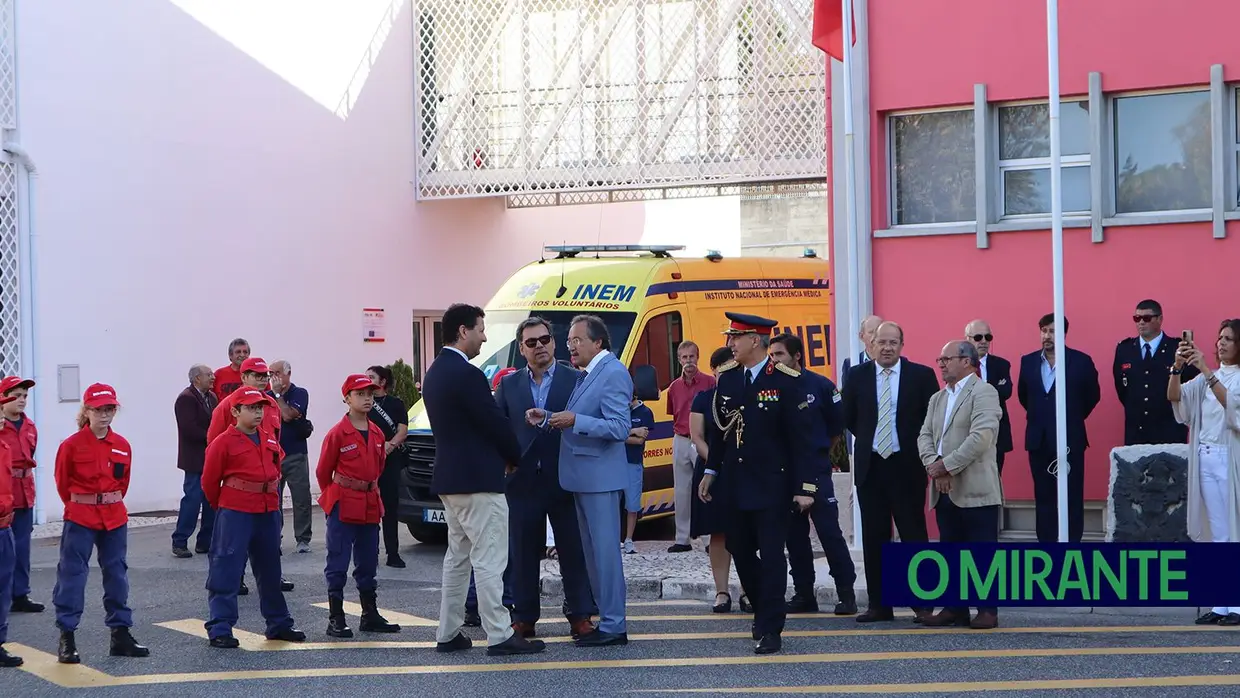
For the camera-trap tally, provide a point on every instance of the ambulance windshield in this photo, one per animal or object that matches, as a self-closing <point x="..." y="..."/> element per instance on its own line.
<point x="500" y="350"/>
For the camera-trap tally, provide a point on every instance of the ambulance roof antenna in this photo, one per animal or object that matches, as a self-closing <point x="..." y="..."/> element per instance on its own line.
<point x="563" y="288"/>
<point x="598" y="240"/>
<point x="542" y="254"/>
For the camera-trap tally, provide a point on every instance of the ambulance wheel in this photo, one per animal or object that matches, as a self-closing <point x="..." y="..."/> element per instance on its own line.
<point x="431" y="535"/>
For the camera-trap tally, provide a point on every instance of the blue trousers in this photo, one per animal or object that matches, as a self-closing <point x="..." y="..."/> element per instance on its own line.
<point x="23" y="526"/>
<point x="69" y="597"/>
<point x="825" y="514"/>
<point x="193" y="504"/>
<point x="6" y="581"/>
<point x="345" y="539"/>
<point x="528" y="511"/>
<point x="598" y="516"/>
<point x="239" y="535"/>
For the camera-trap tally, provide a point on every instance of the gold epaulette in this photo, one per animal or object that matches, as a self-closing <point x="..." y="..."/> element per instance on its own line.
<point x="790" y="371"/>
<point x="728" y="366"/>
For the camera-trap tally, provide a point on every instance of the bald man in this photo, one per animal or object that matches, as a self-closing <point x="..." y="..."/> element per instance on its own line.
<point x="996" y="371"/>
<point x="869" y="326"/>
<point x="193" y="412"/>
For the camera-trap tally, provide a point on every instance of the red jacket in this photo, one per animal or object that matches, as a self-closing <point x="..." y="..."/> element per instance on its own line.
<point x="22" y="447"/>
<point x="222" y="418"/>
<point x="88" y="465"/>
<point x="227" y="379"/>
<point x="234" y="454"/>
<point x="347" y="453"/>
<point x="6" y="488"/>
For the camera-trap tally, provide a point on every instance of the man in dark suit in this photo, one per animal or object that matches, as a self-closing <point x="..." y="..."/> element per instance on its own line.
<point x="534" y="492"/>
<point x="1142" y="366"/>
<point x="996" y="371"/>
<point x="474" y="448"/>
<point x="884" y="408"/>
<point x="866" y="334"/>
<point x="193" y="412"/>
<point x="1036" y="392"/>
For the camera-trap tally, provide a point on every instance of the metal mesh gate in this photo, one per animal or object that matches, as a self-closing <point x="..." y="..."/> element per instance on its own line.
<point x="10" y="299"/>
<point x="546" y="98"/>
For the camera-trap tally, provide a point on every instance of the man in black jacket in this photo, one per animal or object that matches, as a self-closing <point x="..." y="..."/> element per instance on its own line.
<point x="474" y="448"/>
<point x="884" y="407"/>
<point x="996" y="371"/>
<point x="193" y="411"/>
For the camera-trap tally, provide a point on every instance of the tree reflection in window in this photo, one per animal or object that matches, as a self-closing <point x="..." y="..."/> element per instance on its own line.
<point x="933" y="167"/>
<point x="1162" y="152"/>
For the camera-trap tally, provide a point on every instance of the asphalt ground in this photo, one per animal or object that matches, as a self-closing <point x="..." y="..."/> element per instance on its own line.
<point x="675" y="646"/>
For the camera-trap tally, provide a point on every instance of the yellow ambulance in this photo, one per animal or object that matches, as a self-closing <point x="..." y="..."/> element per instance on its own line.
<point x="650" y="302"/>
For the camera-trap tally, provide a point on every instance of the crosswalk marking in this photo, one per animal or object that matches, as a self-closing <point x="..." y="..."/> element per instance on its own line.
<point x="392" y="616"/>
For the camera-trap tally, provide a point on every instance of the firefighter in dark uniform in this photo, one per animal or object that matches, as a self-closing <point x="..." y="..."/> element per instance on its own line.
<point x="1142" y="366"/>
<point x="767" y="461"/>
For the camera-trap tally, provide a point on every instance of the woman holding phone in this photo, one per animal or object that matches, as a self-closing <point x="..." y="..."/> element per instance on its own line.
<point x="1210" y="405"/>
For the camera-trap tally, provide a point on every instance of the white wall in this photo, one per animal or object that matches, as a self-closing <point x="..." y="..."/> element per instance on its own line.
<point x="195" y="185"/>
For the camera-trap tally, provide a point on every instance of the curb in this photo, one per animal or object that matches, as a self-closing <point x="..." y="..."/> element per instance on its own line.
<point x="669" y="588"/>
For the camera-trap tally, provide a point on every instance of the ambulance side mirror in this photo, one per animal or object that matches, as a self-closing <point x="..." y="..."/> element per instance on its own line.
<point x="645" y="383"/>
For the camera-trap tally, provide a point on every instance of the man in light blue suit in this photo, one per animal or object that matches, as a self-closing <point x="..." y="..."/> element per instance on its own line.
<point x="594" y="467"/>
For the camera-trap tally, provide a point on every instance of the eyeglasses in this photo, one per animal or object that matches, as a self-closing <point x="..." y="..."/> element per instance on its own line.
<point x="980" y="337"/>
<point x="535" y="341"/>
<point x="942" y="360"/>
<point x="574" y="341"/>
<point x="1144" y="318"/>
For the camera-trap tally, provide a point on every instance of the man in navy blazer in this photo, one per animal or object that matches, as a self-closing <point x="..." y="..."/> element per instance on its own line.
<point x="474" y="448"/>
<point x="996" y="371"/>
<point x="1036" y="392"/>
<point x="594" y="466"/>
<point x="534" y="491"/>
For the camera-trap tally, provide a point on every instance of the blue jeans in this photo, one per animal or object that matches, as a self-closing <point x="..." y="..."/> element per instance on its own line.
<point x="23" y="526"/>
<point x="239" y="535"/>
<point x="77" y="542"/>
<point x="6" y="581"/>
<point x="193" y="502"/>
<point x="345" y="539"/>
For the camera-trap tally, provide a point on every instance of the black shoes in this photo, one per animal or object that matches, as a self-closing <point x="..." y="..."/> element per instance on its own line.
<point x="285" y="585"/>
<point x="225" y="642"/>
<point x="8" y="661"/>
<point x="23" y="604"/>
<point x="123" y="645"/>
<point x="336" y="624"/>
<point x="243" y="590"/>
<point x="181" y="552"/>
<point x="876" y="615"/>
<point x="289" y="634"/>
<point x="202" y="549"/>
<point x="67" y="652"/>
<point x="680" y="548"/>
<point x="847" y="605"/>
<point x="516" y="645"/>
<point x="395" y="561"/>
<point x="803" y="603"/>
<point x="769" y="644"/>
<point x="460" y="642"/>
<point x="598" y="638"/>
<point x="472" y="619"/>
<point x="372" y="622"/>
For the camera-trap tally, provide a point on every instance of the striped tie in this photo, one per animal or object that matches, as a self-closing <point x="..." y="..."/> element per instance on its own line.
<point x="882" y="437"/>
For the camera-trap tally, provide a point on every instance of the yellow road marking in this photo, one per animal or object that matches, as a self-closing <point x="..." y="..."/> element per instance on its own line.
<point x="45" y="666"/>
<point x="253" y="642"/>
<point x="392" y="616"/>
<point x="976" y="686"/>
<point x="101" y="679"/>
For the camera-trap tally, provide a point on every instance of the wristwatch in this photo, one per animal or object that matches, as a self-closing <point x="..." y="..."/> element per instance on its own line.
<point x="1176" y="371"/>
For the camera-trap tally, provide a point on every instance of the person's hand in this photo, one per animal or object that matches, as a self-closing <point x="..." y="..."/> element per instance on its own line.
<point x="704" y="487"/>
<point x="562" y="420"/>
<point x="943" y="485"/>
<point x="534" y="416"/>
<point x="641" y="432"/>
<point x="1197" y="360"/>
<point x="803" y="502"/>
<point x="509" y="469"/>
<point x="388" y="448"/>
<point x="937" y="469"/>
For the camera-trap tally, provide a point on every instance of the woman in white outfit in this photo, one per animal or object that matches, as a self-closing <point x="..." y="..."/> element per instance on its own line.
<point x="1210" y="405"/>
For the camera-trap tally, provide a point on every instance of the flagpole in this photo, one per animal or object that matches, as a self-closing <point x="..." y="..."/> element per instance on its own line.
<point x="1061" y="402"/>
<point x="854" y="266"/>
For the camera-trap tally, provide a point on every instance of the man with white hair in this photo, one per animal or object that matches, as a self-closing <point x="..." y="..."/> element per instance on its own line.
<point x="293" y="402"/>
<point x="997" y="371"/>
<point x="869" y="326"/>
<point x="193" y="412"/>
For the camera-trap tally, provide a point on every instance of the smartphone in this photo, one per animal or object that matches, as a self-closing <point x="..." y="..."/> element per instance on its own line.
<point x="1187" y="335"/>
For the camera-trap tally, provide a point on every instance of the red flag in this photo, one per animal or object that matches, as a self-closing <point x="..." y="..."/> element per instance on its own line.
<point x="828" y="33"/>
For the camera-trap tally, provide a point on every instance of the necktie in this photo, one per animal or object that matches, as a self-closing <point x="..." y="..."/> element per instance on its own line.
<point x="882" y="436"/>
<point x="748" y="379"/>
<point x="1147" y="352"/>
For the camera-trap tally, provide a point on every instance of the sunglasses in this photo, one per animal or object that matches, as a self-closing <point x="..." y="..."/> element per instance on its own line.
<point x="1144" y="318"/>
<point x="535" y="341"/>
<point x="980" y="337"/>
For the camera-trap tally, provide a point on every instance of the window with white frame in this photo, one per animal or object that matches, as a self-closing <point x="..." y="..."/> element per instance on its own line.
<point x="1025" y="159"/>
<point x="1235" y="142"/>
<point x="1162" y="152"/>
<point x="933" y="173"/>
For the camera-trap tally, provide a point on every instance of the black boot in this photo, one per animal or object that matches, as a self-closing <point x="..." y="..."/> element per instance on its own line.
<point x="372" y="622"/>
<point x="803" y="602"/>
<point x="8" y="661"/>
<point x="23" y="604"/>
<point x="67" y="654"/>
<point x="123" y="645"/>
<point x="336" y="625"/>
<point x="847" y="605"/>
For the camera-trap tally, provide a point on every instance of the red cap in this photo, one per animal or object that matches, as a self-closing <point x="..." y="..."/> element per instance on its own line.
<point x="250" y="396"/>
<point x="100" y="395"/>
<point x="499" y="376"/>
<point x="4" y="399"/>
<point x="254" y="364"/>
<point x="357" y="381"/>
<point x="10" y="382"/>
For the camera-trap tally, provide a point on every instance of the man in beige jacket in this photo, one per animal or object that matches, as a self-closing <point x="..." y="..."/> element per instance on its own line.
<point x="957" y="446"/>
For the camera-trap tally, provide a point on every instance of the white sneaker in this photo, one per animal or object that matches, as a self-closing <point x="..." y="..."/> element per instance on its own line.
<point x="303" y="547"/>
<point x="628" y="547"/>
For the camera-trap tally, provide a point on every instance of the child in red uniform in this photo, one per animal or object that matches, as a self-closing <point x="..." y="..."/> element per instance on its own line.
<point x="240" y="480"/>
<point x="7" y="553"/>
<point x="93" y="468"/>
<point x="349" y="468"/>
<point x="22" y="438"/>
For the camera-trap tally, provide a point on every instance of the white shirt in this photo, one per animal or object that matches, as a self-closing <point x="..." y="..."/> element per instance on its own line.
<point x="1212" y="413"/>
<point x="1152" y="344"/>
<point x="953" y="392"/>
<point x="597" y="358"/>
<point x="985" y="374"/>
<point x="895" y="398"/>
<point x="459" y="352"/>
<point x="756" y="369"/>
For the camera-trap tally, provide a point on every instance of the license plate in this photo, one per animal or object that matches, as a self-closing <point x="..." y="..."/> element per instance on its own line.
<point x="433" y="516"/>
